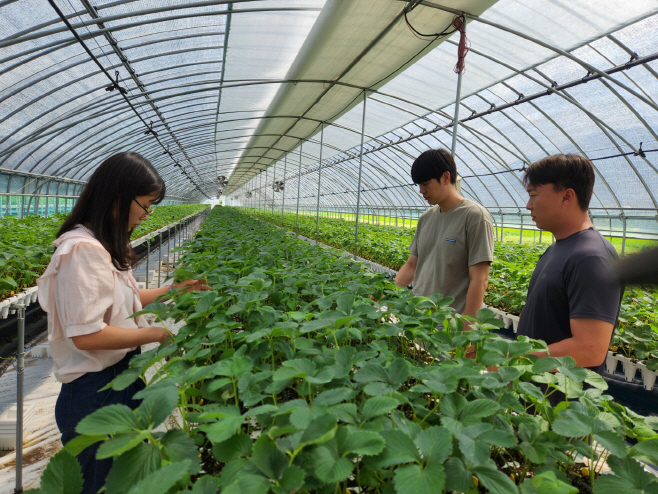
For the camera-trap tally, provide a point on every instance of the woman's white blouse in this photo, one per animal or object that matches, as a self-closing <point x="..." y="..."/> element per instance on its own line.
<point x="83" y="292"/>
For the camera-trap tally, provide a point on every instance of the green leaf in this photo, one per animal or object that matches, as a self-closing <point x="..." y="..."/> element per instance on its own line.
<point x="108" y="420"/>
<point x="334" y="396"/>
<point x="157" y="405"/>
<point x="120" y="444"/>
<point x="547" y="483"/>
<point x="363" y="443"/>
<point x="319" y="430"/>
<point x="504" y="439"/>
<point x="131" y="467"/>
<point x="163" y="479"/>
<point x="268" y="458"/>
<point x="345" y="302"/>
<point x="452" y="405"/>
<point x="371" y="372"/>
<point x="435" y="444"/>
<point x="493" y="479"/>
<point x="398" y="371"/>
<point x="545" y="364"/>
<point x="226" y="426"/>
<point x="646" y="450"/>
<point x="79" y="443"/>
<point x="377" y="406"/>
<point x="123" y="380"/>
<point x="292" y="479"/>
<point x="251" y="484"/>
<point x="206" y="485"/>
<point x="576" y="425"/>
<point x="237" y="446"/>
<point x="400" y="448"/>
<point x="329" y="467"/>
<point x="611" y="441"/>
<point x="179" y="446"/>
<point x="412" y="479"/>
<point x="457" y="477"/>
<point x="63" y="475"/>
<point x="478" y="409"/>
<point x="206" y="301"/>
<point x="630" y="478"/>
<point x="596" y="380"/>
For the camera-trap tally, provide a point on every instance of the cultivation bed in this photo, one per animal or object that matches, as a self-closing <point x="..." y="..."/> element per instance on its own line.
<point x="29" y="294"/>
<point x="630" y="383"/>
<point x="637" y="331"/>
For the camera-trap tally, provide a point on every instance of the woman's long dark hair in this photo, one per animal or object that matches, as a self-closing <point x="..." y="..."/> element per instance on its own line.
<point x="104" y="204"/>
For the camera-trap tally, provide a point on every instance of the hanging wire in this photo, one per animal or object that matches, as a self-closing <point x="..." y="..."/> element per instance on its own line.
<point x="434" y="36"/>
<point x="115" y="85"/>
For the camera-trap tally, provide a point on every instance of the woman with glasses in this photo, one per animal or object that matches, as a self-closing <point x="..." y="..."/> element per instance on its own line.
<point x="89" y="294"/>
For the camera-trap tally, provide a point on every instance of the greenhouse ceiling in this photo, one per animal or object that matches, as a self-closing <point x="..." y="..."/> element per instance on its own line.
<point x="274" y="90"/>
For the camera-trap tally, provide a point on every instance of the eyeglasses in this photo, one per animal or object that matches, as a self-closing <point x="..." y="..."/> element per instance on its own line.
<point x="148" y="212"/>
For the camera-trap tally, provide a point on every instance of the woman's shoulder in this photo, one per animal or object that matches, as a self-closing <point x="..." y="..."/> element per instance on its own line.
<point x="80" y="240"/>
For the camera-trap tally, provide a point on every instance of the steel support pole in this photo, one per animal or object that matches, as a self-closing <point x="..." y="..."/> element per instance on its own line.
<point x="317" y="204"/>
<point x="455" y="125"/>
<point x="273" y="194"/>
<point x="283" y="199"/>
<point x="159" y="258"/>
<point x="265" y="191"/>
<point x="148" y="254"/>
<point x="168" y="250"/>
<point x="299" y="187"/>
<point x="260" y="189"/>
<point x="623" y="235"/>
<point x="20" y="394"/>
<point x="358" y="187"/>
<point x="521" y="231"/>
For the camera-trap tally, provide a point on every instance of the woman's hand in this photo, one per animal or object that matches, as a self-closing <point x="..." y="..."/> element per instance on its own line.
<point x="191" y="286"/>
<point x="159" y="335"/>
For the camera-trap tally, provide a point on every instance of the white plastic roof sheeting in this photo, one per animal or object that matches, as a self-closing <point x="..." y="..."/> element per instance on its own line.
<point x="216" y="77"/>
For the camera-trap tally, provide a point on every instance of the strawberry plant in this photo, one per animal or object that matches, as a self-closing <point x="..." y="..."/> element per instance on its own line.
<point x="301" y="371"/>
<point x="26" y="244"/>
<point x="509" y="277"/>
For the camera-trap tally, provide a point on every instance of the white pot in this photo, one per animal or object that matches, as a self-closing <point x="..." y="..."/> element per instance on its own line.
<point x="35" y="295"/>
<point x="611" y="362"/>
<point x="515" y="322"/>
<point x="648" y="376"/>
<point x="498" y="314"/>
<point x="4" y="312"/>
<point x="630" y="368"/>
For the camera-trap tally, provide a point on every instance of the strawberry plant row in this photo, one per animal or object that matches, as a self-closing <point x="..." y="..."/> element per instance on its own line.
<point x="26" y="244"/>
<point x="637" y="332"/>
<point x="301" y="371"/>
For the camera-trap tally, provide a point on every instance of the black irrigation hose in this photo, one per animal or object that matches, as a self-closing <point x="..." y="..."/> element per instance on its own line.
<point x="114" y="84"/>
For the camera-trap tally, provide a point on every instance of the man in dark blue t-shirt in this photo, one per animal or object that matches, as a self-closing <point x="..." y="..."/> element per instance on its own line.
<point x="572" y="302"/>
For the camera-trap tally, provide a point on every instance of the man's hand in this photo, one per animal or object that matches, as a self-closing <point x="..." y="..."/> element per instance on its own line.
<point x="407" y="272"/>
<point x="588" y="344"/>
<point x="478" y="275"/>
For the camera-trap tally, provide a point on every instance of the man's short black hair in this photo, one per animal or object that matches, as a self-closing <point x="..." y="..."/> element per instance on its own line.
<point x="564" y="171"/>
<point x="433" y="164"/>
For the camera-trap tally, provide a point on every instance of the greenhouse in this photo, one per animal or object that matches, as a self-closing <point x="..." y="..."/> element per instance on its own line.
<point x="393" y="246"/>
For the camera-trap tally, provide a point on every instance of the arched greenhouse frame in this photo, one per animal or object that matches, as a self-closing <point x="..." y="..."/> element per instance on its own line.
<point x="287" y="129"/>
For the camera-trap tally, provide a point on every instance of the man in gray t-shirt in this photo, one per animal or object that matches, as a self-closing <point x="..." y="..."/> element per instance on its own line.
<point x="453" y="247"/>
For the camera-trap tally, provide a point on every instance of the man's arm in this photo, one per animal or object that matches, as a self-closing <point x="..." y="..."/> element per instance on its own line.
<point x="588" y="345"/>
<point x="478" y="276"/>
<point x="407" y="272"/>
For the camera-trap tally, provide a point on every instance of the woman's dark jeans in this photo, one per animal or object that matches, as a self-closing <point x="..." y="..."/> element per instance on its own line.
<point x="80" y="398"/>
